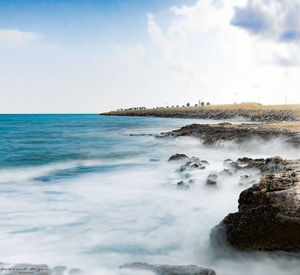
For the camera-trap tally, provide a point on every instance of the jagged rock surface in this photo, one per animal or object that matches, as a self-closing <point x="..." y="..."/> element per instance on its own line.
<point x="269" y="212"/>
<point x="222" y="132"/>
<point x="254" y="115"/>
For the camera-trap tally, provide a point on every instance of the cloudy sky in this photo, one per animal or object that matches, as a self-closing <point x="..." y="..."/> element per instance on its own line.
<point x="68" y="56"/>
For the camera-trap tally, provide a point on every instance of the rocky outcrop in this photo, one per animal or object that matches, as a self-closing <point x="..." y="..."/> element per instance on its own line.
<point x="220" y="133"/>
<point x="266" y="166"/>
<point x="193" y="163"/>
<point x="170" y="269"/>
<point x="185" y="171"/>
<point x="268" y="216"/>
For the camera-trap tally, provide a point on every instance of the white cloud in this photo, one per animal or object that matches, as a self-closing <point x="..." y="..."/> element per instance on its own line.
<point x="213" y="58"/>
<point x="13" y="39"/>
<point x="277" y="20"/>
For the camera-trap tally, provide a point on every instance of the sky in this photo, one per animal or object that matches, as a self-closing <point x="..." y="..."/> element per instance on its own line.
<point x="91" y="56"/>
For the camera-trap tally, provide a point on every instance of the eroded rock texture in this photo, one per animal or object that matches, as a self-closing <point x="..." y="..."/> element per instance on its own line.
<point x="224" y="132"/>
<point x="268" y="216"/>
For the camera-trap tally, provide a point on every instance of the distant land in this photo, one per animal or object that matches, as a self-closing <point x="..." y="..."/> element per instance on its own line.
<point x="251" y="111"/>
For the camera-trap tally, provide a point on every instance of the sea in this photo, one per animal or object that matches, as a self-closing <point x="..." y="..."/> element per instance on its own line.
<point x="90" y="193"/>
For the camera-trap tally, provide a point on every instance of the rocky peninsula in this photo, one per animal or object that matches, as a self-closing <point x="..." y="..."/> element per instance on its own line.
<point x="253" y="112"/>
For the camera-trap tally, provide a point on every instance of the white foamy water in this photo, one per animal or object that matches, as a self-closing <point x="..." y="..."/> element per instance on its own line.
<point x="97" y="214"/>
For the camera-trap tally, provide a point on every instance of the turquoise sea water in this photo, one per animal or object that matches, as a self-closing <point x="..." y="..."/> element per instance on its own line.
<point x="94" y="192"/>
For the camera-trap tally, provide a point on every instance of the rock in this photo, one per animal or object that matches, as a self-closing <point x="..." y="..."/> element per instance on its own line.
<point x="266" y="166"/>
<point x="197" y="165"/>
<point x="244" y="160"/>
<point x="192" y="163"/>
<point x="268" y="216"/>
<point x="212" y="179"/>
<point x="181" y="184"/>
<point x="178" y="157"/>
<point x="170" y="269"/>
<point x="239" y="133"/>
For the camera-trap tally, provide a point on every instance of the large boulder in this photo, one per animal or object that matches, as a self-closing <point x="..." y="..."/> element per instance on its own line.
<point x="170" y="269"/>
<point x="268" y="216"/>
<point x="178" y="157"/>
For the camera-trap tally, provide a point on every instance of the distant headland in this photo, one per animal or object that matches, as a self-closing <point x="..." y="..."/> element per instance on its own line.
<point x="251" y="111"/>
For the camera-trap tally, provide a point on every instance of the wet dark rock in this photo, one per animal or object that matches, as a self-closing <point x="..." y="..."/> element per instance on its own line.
<point x="193" y="163"/>
<point x="268" y="216"/>
<point x="171" y="269"/>
<point x="243" y="160"/>
<point x="239" y="133"/>
<point x="212" y="179"/>
<point x="269" y="165"/>
<point x="266" y="166"/>
<point x="178" y="157"/>
<point x="181" y="184"/>
<point x="197" y="165"/>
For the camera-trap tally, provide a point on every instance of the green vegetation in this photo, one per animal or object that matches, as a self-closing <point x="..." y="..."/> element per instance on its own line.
<point x="199" y="104"/>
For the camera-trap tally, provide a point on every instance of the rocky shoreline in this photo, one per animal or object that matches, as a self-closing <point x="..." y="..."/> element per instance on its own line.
<point x="223" y="132"/>
<point x="268" y="217"/>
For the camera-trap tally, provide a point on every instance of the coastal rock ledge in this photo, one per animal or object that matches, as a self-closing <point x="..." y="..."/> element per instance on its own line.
<point x="219" y="133"/>
<point x="268" y="216"/>
<point x="170" y="269"/>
